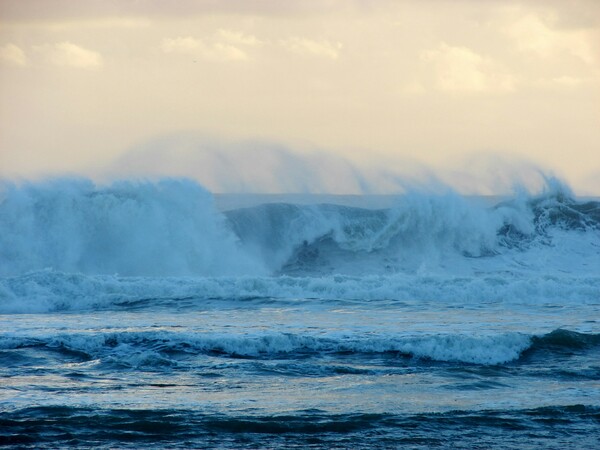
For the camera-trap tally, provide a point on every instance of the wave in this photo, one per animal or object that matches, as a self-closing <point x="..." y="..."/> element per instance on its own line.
<point x="157" y="349"/>
<point x="169" y="227"/>
<point x="419" y="231"/>
<point x="153" y="349"/>
<point x="49" y="291"/>
<point x="172" y="228"/>
<point x="565" y="340"/>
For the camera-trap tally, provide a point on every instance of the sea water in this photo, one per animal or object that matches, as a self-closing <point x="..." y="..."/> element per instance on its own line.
<point x="154" y="314"/>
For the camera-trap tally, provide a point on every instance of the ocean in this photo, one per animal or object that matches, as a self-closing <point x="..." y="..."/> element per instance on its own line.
<point x="154" y="314"/>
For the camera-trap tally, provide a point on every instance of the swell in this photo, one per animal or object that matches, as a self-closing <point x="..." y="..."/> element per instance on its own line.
<point x="159" y="349"/>
<point x="565" y="340"/>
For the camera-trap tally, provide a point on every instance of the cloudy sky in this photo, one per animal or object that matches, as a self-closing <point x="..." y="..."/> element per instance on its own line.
<point x="460" y="87"/>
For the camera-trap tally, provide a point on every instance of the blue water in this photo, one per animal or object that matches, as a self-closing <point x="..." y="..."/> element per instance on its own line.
<point x="152" y="315"/>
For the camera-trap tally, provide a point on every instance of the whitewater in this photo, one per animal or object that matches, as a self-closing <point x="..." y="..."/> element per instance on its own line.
<point x="157" y="314"/>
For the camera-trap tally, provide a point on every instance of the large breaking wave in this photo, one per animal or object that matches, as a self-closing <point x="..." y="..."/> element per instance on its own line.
<point x="420" y="232"/>
<point x="171" y="228"/>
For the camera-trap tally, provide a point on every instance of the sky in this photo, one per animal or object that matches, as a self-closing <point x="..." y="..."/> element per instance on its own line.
<point x="238" y="93"/>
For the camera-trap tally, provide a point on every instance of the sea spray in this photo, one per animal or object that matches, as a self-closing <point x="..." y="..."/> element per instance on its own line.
<point x="168" y="227"/>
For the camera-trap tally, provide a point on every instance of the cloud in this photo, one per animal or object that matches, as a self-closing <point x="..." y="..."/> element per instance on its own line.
<point x="67" y="54"/>
<point x="563" y="82"/>
<point x="321" y="48"/>
<point x="238" y="38"/>
<point x="180" y="45"/>
<point x="460" y="69"/>
<point x="230" y="45"/>
<point x="532" y="34"/>
<point x="568" y="81"/>
<point x="209" y="50"/>
<point x="11" y="55"/>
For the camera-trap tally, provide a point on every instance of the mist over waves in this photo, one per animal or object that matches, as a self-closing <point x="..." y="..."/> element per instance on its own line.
<point x="262" y="166"/>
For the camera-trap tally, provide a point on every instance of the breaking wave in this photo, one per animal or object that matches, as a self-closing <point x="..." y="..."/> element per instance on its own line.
<point x="132" y="228"/>
<point x="51" y="291"/>
<point x="172" y="228"/>
<point x="419" y="232"/>
<point x="156" y="349"/>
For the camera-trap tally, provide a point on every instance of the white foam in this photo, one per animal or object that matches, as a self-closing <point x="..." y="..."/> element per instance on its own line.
<point x="49" y="291"/>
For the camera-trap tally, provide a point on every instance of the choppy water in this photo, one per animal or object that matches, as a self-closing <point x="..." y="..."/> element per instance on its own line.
<point x="141" y="315"/>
